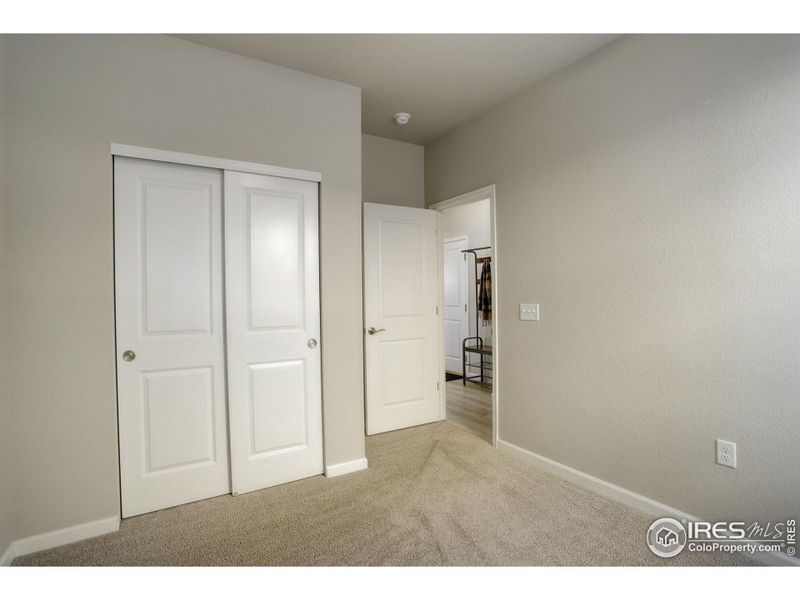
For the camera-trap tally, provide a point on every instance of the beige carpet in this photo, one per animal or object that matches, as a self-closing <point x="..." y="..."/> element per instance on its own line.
<point x="433" y="495"/>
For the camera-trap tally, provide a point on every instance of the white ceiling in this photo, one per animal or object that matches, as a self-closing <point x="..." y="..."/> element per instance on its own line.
<point x="442" y="80"/>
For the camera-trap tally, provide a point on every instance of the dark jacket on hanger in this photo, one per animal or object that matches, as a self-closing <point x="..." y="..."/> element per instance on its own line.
<point x="485" y="295"/>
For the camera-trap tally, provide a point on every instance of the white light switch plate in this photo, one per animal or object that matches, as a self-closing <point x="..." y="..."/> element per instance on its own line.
<point x="528" y="312"/>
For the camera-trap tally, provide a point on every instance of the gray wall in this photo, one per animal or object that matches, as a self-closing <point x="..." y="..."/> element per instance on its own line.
<point x="392" y="172"/>
<point x="647" y="198"/>
<point x="67" y="99"/>
<point x="7" y="529"/>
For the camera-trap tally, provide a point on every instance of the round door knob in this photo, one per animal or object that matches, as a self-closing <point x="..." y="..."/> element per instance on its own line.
<point x="312" y="343"/>
<point x="128" y="355"/>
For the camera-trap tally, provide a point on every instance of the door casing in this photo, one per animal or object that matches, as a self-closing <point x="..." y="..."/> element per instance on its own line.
<point x="467" y="198"/>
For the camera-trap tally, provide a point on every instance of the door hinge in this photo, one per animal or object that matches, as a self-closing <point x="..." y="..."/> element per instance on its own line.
<point x="465" y="257"/>
<point x="465" y="308"/>
<point x="437" y="386"/>
<point x="437" y="310"/>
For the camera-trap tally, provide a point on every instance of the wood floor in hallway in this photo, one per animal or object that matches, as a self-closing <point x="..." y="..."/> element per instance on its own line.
<point x="470" y="407"/>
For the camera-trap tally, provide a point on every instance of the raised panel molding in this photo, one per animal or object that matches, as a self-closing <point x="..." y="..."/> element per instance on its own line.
<point x="403" y="371"/>
<point x="277" y="421"/>
<point x="176" y="274"/>
<point x="178" y="418"/>
<point x="276" y="261"/>
<point x="401" y="294"/>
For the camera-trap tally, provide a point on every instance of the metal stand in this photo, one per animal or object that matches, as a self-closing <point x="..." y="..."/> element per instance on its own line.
<point x="479" y="347"/>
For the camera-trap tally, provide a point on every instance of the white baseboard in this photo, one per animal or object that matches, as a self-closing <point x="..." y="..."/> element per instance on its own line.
<point x="595" y="484"/>
<point x="59" y="537"/>
<point x="346" y="467"/>
<point x="627" y="497"/>
<point x="8" y="556"/>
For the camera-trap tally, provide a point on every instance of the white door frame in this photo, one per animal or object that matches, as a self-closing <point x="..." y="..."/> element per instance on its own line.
<point x="198" y="160"/>
<point x="468" y="198"/>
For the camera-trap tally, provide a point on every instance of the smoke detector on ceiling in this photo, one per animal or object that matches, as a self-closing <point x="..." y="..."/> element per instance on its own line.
<point x="402" y="118"/>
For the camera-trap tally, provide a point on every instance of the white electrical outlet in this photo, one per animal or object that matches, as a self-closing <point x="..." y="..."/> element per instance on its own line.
<point x="726" y="454"/>
<point x="528" y="312"/>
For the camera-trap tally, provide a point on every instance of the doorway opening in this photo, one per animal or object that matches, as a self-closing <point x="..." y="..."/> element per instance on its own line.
<point x="466" y="226"/>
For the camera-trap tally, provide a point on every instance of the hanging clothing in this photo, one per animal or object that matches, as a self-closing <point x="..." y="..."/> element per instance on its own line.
<point x="485" y="294"/>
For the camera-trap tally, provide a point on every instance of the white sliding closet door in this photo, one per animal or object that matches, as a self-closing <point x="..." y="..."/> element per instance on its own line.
<point x="170" y="341"/>
<point x="272" y="306"/>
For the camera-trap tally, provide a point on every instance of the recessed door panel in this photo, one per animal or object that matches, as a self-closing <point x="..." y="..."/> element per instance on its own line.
<point x="277" y="420"/>
<point x="177" y="257"/>
<point x="403" y="371"/>
<point x="178" y="418"/>
<point x="401" y="268"/>
<point x="275" y="229"/>
<point x="170" y="345"/>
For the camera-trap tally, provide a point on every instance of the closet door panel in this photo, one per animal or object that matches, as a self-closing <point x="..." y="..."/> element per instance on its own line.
<point x="169" y="311"/>
<point x="272" y="307"/>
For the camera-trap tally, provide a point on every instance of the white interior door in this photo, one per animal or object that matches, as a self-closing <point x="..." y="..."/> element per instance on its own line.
<point x="273" y="326"/>
<point x="170" y="342"/>
<point x="456" y="301"/>
<point x="401" y="288"/>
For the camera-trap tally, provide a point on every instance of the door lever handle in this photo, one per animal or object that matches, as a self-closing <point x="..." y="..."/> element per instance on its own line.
<point x="373" y="331"/>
